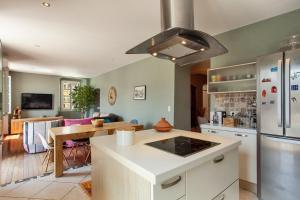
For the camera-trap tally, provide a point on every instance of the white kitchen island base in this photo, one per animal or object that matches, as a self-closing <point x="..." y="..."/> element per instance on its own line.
<point x="140" y="172"/>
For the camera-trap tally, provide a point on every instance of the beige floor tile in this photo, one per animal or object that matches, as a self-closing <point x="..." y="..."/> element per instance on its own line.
<point x="76" y="194"/>
<point x="6" y="189"/>
<point x="12" y="198"/>
<point x="70" y="176"/>
<point x="28" y="189"/>
<point x="55" y="190"/>
<point x="245" y="195"/>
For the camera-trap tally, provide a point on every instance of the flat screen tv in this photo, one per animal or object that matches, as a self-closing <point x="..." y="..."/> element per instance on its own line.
<point x="36" y="101"/>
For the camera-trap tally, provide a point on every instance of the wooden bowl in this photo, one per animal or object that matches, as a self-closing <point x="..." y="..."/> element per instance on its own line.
<point x="97" y="122"/>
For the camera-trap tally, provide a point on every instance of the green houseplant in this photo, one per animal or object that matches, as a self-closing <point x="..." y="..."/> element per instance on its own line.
<point x="83" y="98"/>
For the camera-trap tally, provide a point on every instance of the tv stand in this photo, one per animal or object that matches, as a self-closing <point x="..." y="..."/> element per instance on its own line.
<point x="17" y="124"/>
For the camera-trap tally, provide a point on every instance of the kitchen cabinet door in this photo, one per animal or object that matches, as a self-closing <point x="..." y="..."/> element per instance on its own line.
<point x="208" y="180"/>
<point x="247" y="153"/>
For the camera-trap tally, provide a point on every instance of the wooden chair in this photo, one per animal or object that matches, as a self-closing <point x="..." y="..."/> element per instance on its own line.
<point x="97" y="134"/>
<point x="50" y="151"/>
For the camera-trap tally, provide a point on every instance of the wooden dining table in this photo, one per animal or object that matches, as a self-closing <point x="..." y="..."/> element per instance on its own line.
<point x="59" y="135"/>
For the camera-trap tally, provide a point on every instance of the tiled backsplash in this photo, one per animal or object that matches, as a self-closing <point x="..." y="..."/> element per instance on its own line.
<point x="235" y="102"/>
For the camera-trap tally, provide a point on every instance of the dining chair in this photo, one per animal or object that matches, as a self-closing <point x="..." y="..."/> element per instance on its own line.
<point x="97" y="134"/>
<point x="50" y="151"/>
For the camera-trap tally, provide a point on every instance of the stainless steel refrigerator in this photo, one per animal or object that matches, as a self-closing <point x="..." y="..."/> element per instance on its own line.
<point x="278" y="92"/>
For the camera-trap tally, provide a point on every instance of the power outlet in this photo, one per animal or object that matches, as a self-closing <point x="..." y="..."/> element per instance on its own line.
<point x="169" y="108"/>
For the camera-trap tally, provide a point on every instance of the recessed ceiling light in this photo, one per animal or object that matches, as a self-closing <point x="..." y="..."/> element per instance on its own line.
<point x="202" y="49"/>
<point x="183" y="42"/>
<point x="46" y="4"/>
<point x="173" y="59"/>
<point x="154" y="54"/>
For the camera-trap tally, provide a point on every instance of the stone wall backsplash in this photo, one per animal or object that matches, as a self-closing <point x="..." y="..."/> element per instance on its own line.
<point x="235" y="102"/>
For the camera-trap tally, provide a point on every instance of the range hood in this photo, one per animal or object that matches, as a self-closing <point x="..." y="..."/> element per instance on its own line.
<point x="178" y="41"/>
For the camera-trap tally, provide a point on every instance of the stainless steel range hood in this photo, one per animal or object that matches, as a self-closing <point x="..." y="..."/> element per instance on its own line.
<point x="178" y="41"/>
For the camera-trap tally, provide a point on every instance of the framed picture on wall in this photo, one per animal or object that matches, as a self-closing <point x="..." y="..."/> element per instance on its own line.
<point x="139" y="92"/>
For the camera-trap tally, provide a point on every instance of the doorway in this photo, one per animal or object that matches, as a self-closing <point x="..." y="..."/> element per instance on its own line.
<point x="199" y="97"/>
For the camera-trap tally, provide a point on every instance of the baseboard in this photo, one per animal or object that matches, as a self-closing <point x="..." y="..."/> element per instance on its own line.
<point x="251" y="187"/>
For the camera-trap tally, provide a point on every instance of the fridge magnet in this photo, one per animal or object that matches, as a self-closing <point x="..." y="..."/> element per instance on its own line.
<point x="266" y="80"/>
<point x="264" y="93"/>
<point x="274" y="69"/>
<point x="274" y="89"/>
<point x="272" y="102"/>
<point x="263" y="103"/>
<point x="294" y="87"/>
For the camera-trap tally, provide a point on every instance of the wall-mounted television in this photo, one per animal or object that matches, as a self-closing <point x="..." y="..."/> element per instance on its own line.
<point x="37" y="101"/>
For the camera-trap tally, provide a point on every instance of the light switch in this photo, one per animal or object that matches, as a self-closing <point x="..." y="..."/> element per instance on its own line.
<point x="169" y="108"/>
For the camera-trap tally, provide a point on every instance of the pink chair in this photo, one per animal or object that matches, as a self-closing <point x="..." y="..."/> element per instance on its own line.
<point x="75" y="144"/>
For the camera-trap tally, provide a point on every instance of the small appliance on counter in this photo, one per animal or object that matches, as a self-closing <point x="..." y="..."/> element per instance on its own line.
<point x="217" y="117"/>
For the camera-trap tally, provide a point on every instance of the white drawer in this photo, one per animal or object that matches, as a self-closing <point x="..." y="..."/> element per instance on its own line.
<point x="171" y="189"/>
<point x="212" y="177"/>
<point x="231" y="193"/>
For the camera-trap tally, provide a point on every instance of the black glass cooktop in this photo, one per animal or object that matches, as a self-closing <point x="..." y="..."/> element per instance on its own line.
<point x="182" y="146"/>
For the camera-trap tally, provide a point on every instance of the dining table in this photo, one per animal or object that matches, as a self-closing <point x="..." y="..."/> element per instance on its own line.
<point x="59" y="135"/>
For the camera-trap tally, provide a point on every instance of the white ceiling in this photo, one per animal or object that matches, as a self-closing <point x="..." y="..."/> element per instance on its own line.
<point x="85" y="38"/>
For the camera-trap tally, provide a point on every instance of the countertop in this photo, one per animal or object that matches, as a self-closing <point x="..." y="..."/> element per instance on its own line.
<point x="156" y="165"/>
<point x="226" y="128"/>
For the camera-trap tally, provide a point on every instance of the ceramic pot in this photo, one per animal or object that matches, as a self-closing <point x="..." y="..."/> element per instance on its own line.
<point x="163" y="125"/>
<point x="97" y="122"/>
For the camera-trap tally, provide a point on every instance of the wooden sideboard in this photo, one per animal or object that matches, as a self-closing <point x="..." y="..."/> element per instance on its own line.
<point x="16" y="125"/>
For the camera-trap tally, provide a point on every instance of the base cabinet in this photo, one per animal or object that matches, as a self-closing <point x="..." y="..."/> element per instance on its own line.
<point x="212" y="177"/>
<point x="112" y="180"/>
<point x="231" y="193"/>
<point x="247" y="153"/>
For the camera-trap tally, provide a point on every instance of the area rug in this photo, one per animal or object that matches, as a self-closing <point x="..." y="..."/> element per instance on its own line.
<point x="87" y="187"/>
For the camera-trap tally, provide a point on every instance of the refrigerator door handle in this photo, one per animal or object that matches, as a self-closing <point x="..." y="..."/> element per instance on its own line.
<point x="287" y="94"/>
<point x="279" y="96"/>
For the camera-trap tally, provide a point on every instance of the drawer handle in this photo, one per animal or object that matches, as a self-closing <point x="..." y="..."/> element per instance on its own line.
<point x="213" y="131"/>
<point x="219" y="158"/>
<point x="167" y="185"/>
<point x="241" y="135"/>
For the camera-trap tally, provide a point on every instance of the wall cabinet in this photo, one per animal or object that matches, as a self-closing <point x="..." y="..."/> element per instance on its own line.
<point x="247" y="152"/>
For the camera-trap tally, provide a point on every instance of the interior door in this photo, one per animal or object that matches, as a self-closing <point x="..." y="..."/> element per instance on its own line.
<point x="292" y="93"/>
<point x="269" y="93"/>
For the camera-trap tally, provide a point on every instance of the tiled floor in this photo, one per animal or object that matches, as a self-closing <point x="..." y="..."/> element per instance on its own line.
<point x="64" y="188"/>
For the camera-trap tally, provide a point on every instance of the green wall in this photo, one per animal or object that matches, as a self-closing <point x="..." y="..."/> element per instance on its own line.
<point x="37" y="83"/>
<point x="264" y="37"/>
<point x="156" y="74"/>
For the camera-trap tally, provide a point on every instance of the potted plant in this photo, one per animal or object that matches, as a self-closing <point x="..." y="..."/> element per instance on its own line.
<point x="83" y="98"/>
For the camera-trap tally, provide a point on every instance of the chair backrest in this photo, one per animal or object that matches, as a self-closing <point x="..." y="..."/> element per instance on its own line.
<point x="44" y="142"/>
<point x="134" y="121"/>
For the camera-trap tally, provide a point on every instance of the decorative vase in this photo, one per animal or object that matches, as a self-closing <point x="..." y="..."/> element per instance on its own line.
<point x="163" y="125"/>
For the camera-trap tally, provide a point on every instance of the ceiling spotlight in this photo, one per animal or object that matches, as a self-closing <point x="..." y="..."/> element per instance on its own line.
<point x="202" y="49"/>
<point x="183" y="42"/>
<point x="173" y="59"/>
<point x="46" y="4"/>
<point x="154" y="54"/>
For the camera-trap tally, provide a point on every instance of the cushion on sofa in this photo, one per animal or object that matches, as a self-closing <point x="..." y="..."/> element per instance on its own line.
<point x="70" y="122"/>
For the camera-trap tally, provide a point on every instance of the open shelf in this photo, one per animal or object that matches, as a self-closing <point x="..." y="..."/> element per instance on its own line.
<point x="232" y="79"/>
<point x="227" y="92"/>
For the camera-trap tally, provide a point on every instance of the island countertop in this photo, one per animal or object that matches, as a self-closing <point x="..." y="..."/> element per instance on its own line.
<point x="156" y="165"/>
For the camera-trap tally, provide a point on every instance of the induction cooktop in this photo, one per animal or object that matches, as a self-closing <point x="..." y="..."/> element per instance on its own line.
<point x="182" y="146"/>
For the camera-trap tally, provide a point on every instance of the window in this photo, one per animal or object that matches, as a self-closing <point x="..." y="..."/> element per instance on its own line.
<point x="67" y="86"/>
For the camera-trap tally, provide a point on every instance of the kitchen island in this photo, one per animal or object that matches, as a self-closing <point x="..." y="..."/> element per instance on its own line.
<point x="143" y="172"/>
